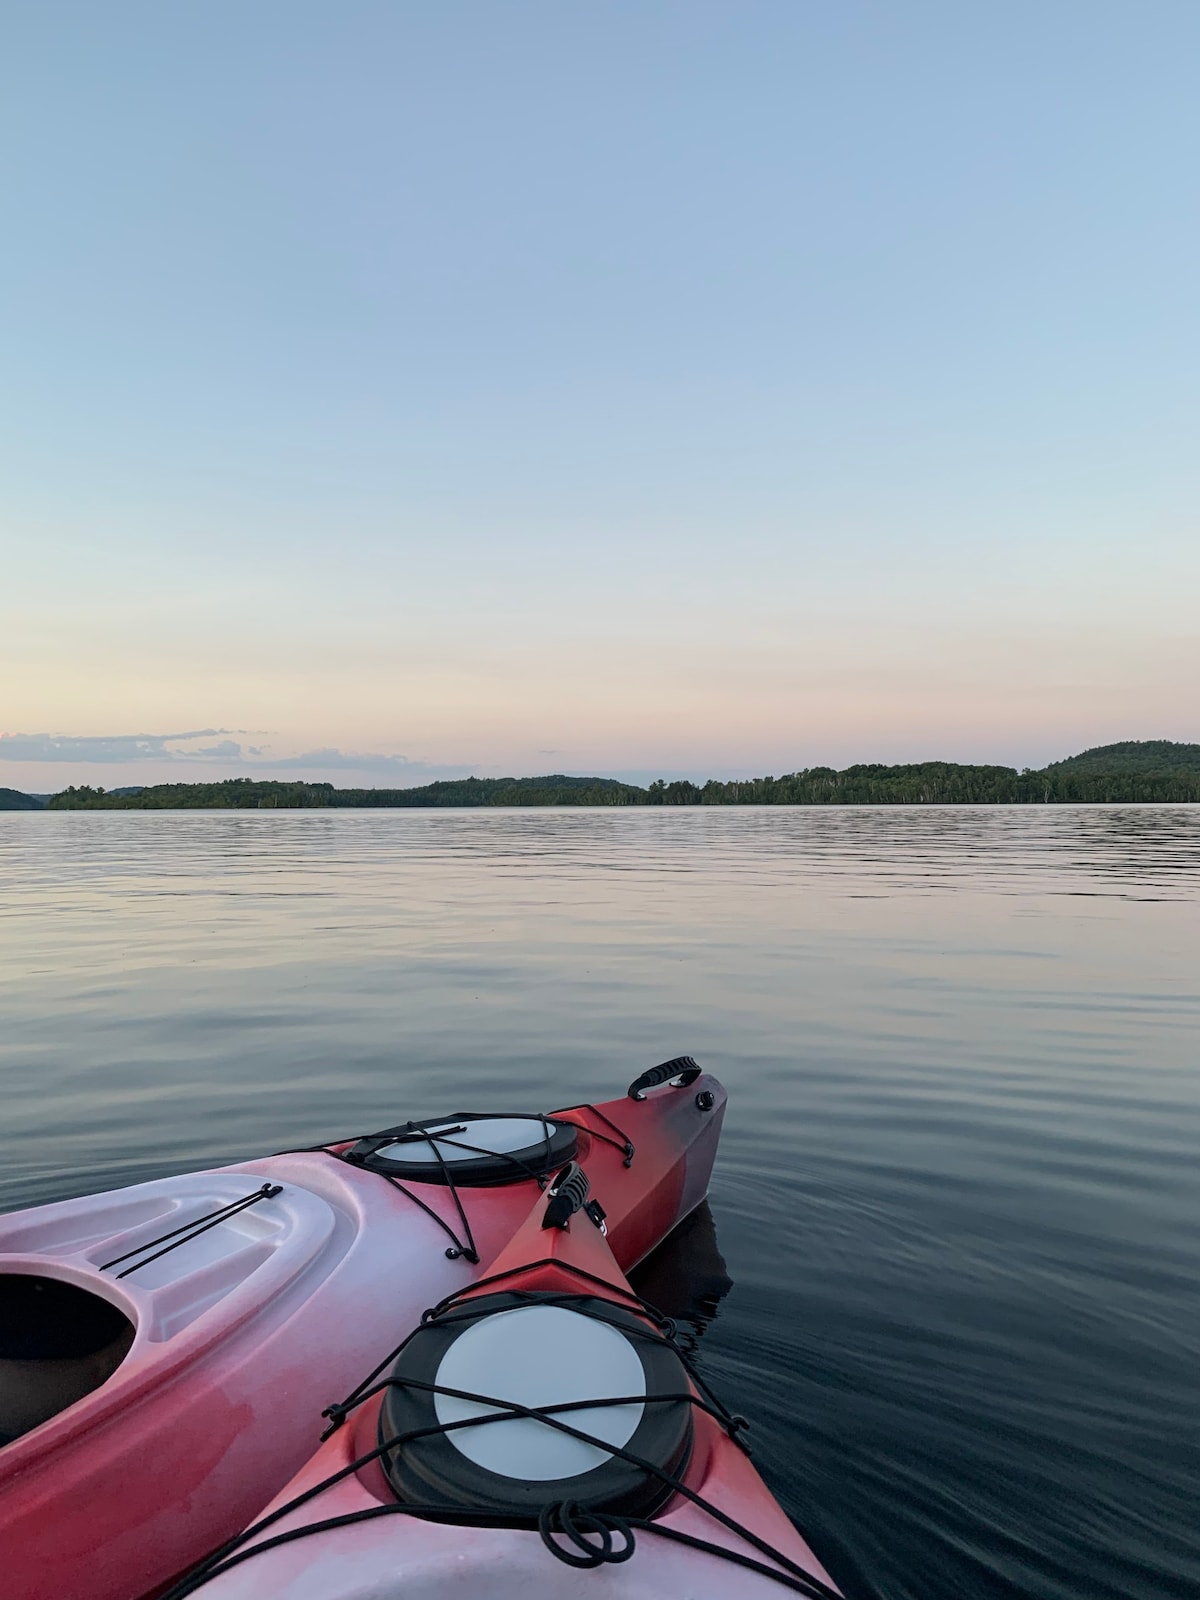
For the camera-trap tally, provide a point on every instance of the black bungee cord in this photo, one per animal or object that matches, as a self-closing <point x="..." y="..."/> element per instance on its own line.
<point x="188" y="1231"/>
<point x="593" y="1538"/>
<point x="465" y="1246"/>
<point x="622" y="1142"/>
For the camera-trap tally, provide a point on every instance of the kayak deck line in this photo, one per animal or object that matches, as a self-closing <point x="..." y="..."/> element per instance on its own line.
<point x="368" y="1152"/>
<point x="192" y="1230"/>
<point x="622" y="1142"/>
<point x="359" y="1150"/>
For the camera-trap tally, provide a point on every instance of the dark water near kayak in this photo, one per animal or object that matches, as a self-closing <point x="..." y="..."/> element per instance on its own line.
<point x="958" y="1192"/>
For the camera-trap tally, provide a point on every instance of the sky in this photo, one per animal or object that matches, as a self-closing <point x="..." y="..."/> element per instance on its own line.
<point x="390" y="390"/>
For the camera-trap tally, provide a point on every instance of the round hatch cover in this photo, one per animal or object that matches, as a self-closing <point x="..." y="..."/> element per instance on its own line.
<point x="470" y="1150"/>
<point x="527" y="1353"/>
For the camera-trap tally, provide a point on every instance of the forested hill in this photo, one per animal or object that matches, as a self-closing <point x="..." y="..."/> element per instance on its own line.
<point x="1149" y="770"/>
<point x="248" y="793"/>
<point x="555" y="790"/>
<point x="1135" y="755"/>
<point x="14" y="800"/>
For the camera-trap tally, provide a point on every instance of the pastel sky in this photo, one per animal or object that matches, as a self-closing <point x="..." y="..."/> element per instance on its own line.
<point x="396" y="389"/>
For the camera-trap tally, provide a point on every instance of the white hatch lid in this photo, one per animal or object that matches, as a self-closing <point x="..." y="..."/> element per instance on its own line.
<point x="541" y="1356"/>
<point x="490" y="1135"/>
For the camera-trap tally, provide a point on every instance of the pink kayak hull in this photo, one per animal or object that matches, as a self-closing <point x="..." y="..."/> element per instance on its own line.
<point x="382" y="1556"/>
<point x="242" y="1335"/>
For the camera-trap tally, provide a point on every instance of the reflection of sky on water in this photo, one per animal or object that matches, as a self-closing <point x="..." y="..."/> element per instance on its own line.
<point x="957" y="1190"/>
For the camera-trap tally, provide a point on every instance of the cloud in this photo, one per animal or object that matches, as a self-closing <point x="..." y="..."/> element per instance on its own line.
<point x="227" y="750"/>
<point x="119" y="749"/>
<point x="331" y="760"/>
<point x="115" y="747"/>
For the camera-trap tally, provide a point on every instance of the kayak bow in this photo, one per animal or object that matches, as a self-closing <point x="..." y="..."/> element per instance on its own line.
<point x="541" y="1434"/>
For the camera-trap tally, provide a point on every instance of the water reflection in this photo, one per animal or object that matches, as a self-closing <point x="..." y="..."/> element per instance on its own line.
<point x="686" y="1277"/>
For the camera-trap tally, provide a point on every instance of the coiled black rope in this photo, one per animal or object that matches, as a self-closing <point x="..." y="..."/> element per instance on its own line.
<point x="188" y="1231"/>
<point x="589" y="1534"/>
<point x="567" y="1519"/>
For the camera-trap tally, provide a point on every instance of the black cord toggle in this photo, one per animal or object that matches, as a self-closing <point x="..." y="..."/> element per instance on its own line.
<point x="567" y="1519"/>
<point x="337" y="1415"/>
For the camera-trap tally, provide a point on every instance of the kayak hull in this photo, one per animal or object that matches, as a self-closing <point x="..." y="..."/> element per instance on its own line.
<point x="245" y="1330"/>
<point x="375" y="1550"/>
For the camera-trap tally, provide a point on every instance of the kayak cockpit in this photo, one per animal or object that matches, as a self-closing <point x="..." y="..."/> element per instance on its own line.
<point x="58" y="1342"/>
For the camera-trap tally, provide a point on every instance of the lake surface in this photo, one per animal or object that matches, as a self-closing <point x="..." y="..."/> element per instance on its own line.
<point x="958" y="1190"/>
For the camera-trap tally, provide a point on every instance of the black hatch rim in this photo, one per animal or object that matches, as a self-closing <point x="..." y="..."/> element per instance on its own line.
<point x="432" y="1471"/>
<point x="552" y="1145"/>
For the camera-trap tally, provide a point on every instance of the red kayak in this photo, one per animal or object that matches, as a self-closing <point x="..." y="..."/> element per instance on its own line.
<point x="539" y="1436"/>
<point x="165" y="1349"/>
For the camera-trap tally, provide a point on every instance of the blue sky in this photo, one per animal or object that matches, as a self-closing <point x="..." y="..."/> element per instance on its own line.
<point x="392" y="390"/>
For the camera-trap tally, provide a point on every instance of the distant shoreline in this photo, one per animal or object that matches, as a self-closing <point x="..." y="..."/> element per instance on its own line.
<point x="1135" y="771"/>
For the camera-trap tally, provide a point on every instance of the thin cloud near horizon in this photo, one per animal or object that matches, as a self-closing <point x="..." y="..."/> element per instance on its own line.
<point x="115" y="747"/>
<point x="135" y="748"/>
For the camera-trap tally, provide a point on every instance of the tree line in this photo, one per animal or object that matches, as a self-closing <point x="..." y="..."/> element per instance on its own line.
<point x="934" y="783"/>
<point x="243" y="794"/>
<point x="1154" y="771"/>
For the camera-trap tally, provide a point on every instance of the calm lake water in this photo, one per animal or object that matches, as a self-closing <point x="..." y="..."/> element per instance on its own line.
<point x="958" y="1191"/>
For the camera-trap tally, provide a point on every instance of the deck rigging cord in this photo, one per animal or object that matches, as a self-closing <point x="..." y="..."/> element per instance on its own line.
<point x="434" y="1132"/>
<point x="188" y="1231"/>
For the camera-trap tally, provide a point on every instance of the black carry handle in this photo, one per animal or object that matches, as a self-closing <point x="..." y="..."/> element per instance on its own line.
<point x="683" y="1070"/>
<point x="567" y="1194"/>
